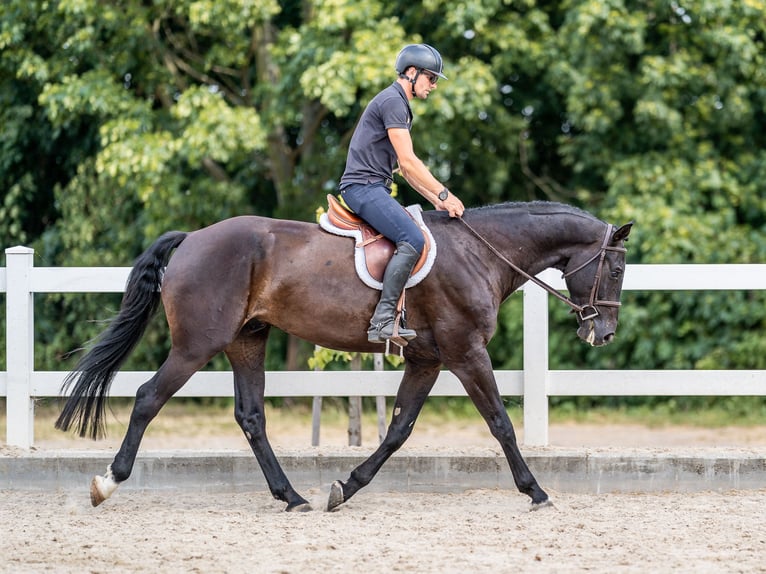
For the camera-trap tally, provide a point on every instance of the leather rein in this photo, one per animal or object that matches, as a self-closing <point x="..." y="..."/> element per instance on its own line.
<point x="585" y="312"/>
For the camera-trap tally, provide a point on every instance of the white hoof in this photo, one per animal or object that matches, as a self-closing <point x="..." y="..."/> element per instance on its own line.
<point x="540" y="505"/>
<point x="102" y="487"/>
<point x="336" y="496"/>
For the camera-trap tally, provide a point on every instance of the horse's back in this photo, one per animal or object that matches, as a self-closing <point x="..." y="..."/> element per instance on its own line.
<point x="285" y="273"/>
<point x="301" y="279"/>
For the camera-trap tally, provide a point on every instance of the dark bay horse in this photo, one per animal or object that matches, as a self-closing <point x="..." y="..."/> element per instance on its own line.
<point x="228" y="284"/>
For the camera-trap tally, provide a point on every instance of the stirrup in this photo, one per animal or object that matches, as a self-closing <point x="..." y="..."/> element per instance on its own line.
<point x="401" y="348"/>
<point x="375" y="334"/>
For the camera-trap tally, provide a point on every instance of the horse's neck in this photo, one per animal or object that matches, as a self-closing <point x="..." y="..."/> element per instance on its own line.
<point x="538" y="241"/>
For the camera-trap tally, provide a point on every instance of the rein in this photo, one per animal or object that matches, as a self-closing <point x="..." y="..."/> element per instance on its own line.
<point x="585" y="312"/>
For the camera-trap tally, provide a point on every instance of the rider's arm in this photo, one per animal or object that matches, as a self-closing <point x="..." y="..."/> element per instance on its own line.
<point x="417" y="174"/>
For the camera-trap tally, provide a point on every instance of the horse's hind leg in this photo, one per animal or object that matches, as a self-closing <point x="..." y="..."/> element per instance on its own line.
<point x="417" y="382"/>
<point x="247" y="354"/>
<point x="150" y="398"/>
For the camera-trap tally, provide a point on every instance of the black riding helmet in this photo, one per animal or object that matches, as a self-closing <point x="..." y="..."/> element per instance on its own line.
<point x="422" y="57"/>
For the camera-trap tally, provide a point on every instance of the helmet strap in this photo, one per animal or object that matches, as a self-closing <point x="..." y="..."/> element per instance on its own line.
<point x="414" y="80"/>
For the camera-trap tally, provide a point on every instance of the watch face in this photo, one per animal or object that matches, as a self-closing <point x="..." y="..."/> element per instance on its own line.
<point x="443" y="194"/>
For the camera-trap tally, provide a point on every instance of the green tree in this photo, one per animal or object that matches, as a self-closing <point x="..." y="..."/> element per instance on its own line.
<point x="179" y="114"/>
<point x="123" y="120"/>
<point x="672" y="120"/>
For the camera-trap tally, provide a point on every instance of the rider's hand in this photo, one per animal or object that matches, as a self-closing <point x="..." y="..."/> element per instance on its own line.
<point x="452" y="204"/>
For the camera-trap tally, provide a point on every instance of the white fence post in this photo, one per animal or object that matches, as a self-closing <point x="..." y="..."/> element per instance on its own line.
<point x="21" y="384"/>
<point x="19" y="346"/>
<point x="535" y="365"/>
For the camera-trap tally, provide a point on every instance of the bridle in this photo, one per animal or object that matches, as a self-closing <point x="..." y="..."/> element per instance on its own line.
<point x="585" y="312"/>
<point x="594" y="301"/>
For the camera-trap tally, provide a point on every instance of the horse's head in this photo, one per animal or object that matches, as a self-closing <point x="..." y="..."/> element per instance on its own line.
<point x="594" y="281"/>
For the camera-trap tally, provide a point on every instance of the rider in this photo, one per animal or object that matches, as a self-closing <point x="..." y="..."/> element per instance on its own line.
<point x="380" y="141"/>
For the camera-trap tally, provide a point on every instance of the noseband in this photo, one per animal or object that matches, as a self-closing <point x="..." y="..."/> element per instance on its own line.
<point x="585" y="312"/>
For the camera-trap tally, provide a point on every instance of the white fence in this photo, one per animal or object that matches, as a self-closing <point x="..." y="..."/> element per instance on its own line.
<point x="21" y="384"/>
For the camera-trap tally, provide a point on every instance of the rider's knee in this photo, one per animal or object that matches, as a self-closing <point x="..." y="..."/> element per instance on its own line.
<point x="416" y="242"/>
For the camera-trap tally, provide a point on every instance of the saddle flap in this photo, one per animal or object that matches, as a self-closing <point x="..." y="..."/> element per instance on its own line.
<point x="376" y="249"/>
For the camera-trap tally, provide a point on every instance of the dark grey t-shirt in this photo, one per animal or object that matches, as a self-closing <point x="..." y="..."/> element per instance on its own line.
<point x="371" y="157"/>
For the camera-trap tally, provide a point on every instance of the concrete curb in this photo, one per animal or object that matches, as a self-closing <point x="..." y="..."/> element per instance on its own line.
<point x="562" y="470"/>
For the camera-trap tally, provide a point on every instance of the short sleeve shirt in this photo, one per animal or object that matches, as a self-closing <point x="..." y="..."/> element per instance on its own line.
<point x="371" y="156"/>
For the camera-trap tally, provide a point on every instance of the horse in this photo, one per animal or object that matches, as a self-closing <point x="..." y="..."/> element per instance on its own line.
<point x="227" y="285"/>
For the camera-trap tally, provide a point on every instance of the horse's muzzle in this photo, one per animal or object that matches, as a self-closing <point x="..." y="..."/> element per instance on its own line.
<point x="595" y="334"/>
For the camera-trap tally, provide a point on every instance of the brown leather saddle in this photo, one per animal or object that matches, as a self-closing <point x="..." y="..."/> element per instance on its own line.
<point x="378" y="250"/>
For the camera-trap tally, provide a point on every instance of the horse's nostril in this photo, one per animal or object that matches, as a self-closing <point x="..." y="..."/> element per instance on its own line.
<point x="608" y="338"/>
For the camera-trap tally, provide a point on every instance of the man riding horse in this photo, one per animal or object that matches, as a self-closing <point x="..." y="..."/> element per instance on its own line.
<point x="380" y="142"/>
<point x="224" y="287"/>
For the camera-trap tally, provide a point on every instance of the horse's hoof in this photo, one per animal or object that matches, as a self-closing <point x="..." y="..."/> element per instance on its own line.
<point x="336" y="496"/>
<point x="102" y="487"/>
<point x="96" y="496"/>
<point x="547" y="503"/>
<point x="299" y="507"/>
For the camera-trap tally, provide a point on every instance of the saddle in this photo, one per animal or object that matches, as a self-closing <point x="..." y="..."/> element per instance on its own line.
<point x="373" y="251"/>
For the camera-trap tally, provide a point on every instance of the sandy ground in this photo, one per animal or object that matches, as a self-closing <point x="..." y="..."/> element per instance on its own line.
<point x="478" y="531"/>
<point x="463" y="435"/>
<point x="183" y="426"/>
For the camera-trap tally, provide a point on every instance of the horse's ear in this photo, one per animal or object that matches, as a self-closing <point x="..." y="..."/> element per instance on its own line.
<point x="622" y="233"/>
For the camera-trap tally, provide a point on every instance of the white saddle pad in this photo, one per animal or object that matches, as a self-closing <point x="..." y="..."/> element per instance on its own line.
<point x="361" y="268"/>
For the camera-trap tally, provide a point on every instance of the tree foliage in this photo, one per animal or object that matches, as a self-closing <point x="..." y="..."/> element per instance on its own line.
<point x="121" y="120"/>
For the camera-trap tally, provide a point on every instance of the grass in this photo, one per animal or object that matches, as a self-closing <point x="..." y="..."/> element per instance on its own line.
<point x="699" y="412"/>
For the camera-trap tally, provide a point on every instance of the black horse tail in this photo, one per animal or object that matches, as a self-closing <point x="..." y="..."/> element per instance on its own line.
<point x="93" y="375"/>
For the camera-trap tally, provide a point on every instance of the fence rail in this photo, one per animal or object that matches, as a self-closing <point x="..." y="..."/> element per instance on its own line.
<point x="21" y="384"/>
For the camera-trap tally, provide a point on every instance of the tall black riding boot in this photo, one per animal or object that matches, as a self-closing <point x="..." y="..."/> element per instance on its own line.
<point x="397" y="272"/>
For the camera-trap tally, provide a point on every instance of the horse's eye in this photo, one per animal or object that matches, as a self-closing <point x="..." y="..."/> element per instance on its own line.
<point x="616" y="272"/>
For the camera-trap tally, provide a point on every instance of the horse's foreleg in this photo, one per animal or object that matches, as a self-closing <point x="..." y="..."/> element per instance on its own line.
<point x="150" y="398"/>
<point x="247" y="355"/>
<point x="476" y="375"/>
<point x="417" y="382"/>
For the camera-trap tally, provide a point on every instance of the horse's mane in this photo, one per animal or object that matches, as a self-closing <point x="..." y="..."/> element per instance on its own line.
<point x="537" y="208"/>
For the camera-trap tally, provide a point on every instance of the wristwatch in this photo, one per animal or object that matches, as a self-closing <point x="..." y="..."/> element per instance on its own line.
<point x="444" y="194"/>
